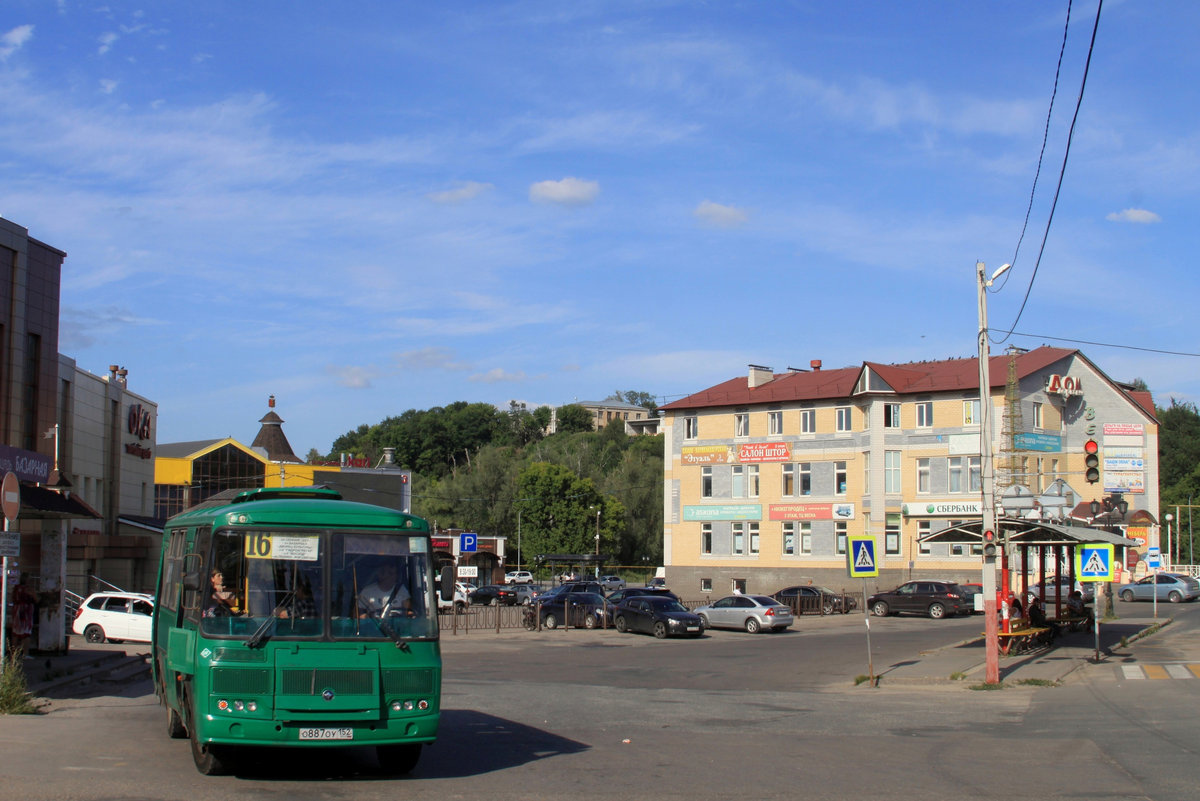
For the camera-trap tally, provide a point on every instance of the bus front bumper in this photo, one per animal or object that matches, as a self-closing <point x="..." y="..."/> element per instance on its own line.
<point x="244" y="730"/>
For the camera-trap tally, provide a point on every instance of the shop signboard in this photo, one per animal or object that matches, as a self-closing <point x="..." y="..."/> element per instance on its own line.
<point x="1139" y="534"/>
<point x="1124" y="429"/>
<point x="1047" y="443"/>
<point x="752" y="452"/>
<point x="964" y="444"/>
<point x="706" y="454"/>
<point x="950" y="508"/>
<point x="724" y="511"/>
<point x="810" y="511"/>
<point x="1123" y="464"/>
<point x="27" y="466"/>
<point x="1123" y="452"/>
<point x="1133" y="483"/>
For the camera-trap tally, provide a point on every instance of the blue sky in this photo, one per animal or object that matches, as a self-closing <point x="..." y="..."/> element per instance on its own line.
<point x="371" y="207"/>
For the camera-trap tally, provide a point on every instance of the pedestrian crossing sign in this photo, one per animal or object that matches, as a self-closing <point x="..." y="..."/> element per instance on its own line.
<point x="1094" y="563"/>
<point x="860" y="556"/>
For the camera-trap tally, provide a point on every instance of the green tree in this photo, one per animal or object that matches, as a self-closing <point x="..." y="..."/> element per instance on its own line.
<point x="314" y="456"/>
<point x="559" y="512"/>
<point x="643" y="399"/>
<point x="573" y="418"/>
<point x="1178" y="443"/>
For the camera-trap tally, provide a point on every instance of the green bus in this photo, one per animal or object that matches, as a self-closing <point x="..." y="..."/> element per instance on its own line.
<point x="292" y="617"/>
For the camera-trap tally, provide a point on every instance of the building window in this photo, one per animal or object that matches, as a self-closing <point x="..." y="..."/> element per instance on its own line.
<point x="752" y="481"/>
<point x="739" y="586"/>
<point x="839" y="478"/>
<point x="754" y="538"/>
<point x="866" y="415"/>
<point x="977" y="549"/>
<point x="891" y="472"/>
<point x="806" y="538"/>
<point x="866" y="472"/>
<point x="690" y="428"/>
<point x="741" y="422"/>
<point x="957" y="549"/>
<point x="925" y="415"/>
<point x="706" y="538"/>
<point x="705" y="585"/>
<point x="1037" y="415"/>
<point x="891" y="535"/>
<point x="1053" y="470"/>
<point x="956" y="474"/>
<point x="805" y="478"/>
<point x="971" y="413"/>
<point x="975" y="474"/>
<point x="891" y="415"/>
<point x="922" y="532"/>
<point x="808" y="421"/>
<point x="169" y="499"/>
<point x="789" y="480"/>
<point x="789" y="539"/>
<point x="843" y="418"/>
<point x="774" y="423"/>
<point x="739" y="481"/>
<point x="706" y="484"/>
<point x="840" y="536"/>
<point x="739" y="539"/>
<point x="923" y="475"/>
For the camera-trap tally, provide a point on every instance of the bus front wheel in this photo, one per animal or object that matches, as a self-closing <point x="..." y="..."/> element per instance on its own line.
<point x="211" y="760"/>
<point x="398" y="760"/>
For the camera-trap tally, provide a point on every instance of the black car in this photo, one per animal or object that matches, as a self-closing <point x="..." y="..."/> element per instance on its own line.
<point x="938" y="599"/>
<point x="586" y="610"/>
<point x="494" y="595"/>
<point x="657" y="615"/>
<point x="969" y="591"/>
<point x="810" y="598"/>
<point x="633" y="592"/>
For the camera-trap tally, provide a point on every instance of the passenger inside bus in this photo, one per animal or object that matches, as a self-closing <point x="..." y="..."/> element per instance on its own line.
<point x="223" y="601"/>
<point x="302" y="605"/>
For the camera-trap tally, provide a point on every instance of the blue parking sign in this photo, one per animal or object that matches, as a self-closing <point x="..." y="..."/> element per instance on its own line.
<point x="469" y="543"/>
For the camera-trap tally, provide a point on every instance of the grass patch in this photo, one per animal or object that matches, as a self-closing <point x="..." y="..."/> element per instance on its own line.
<point x="1124" y="642"/>
<point x="861" y="678"/>
<point x="957" y="675"/>
<point x="1037" y="682"/>
<point x="14" y="697"/>
<point x="997" y="686"/>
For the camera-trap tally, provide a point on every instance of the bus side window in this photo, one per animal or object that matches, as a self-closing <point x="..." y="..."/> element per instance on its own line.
<point x="173" y="568"/>
<point x="195" y="560"/>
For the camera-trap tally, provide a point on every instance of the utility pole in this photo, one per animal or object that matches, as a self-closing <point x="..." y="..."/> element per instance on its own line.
<point x="991" y="622"/>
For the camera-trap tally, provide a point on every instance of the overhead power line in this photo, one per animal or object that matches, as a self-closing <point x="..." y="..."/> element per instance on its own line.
<point x="1106" y="344"/>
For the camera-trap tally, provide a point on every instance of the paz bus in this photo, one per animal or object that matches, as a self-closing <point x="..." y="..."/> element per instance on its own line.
<point x="291" y="617"/>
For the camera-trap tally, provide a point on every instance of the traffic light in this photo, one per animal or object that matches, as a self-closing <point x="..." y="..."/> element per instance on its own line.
<point x="989" y="543"/>
<point x="1091" y="461"/>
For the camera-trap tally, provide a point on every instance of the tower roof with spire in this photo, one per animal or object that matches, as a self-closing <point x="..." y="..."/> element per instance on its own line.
<point x="272" y="439"/>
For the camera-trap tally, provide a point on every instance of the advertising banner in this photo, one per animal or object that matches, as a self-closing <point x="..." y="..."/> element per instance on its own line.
<point x="1123" y="465"/>
<point x="954" y="508"/>
<point x="707" y="454"/>
<point x="1138" y="534"/>
<point x="810" y="511"/>
<point x="725" y="511"/>
<point x="964" y="444"/>
<point x="1123" y="452"/>
<point x="1048" y="443"/>
<point x="1125" y="429"/>
<point x="751" y="452"/>
<point x="1134" y="483"/>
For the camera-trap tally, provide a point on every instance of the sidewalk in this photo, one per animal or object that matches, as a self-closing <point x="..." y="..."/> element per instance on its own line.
<point x="1045" y="664"/>
<point x="83" y="661"/>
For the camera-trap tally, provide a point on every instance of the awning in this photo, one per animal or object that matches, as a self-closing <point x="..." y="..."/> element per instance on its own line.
<point x="39" y="503"/>
<point x="1029" y="532"/>
<point x="153" y="524"/>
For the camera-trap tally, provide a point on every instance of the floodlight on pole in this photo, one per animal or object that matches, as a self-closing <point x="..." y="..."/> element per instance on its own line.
<point x="1001" y="270"/>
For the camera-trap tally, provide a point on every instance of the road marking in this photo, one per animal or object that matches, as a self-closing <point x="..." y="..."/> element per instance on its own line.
<point x="1179" y="672"/>
<point x="1132" y="672"/>
<point x="1156" y="672"/>
<point x="1195" y="669"/>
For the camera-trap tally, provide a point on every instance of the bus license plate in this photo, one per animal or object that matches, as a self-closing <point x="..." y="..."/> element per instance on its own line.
<point x="327" y="734"/>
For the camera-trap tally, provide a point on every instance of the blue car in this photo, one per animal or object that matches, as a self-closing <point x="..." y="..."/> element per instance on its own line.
<point x="1173" y="587"/>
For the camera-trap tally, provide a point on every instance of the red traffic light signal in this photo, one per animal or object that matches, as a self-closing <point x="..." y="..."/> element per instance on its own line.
<point x="989" y="543"/>
<point x="1091" y="461"/>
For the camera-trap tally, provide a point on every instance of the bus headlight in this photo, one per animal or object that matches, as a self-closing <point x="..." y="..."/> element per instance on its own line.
<point x="422" y="705"/>
<point x="408" y="706"/>
<point x="252" y="706"/>
<point x="239" y="706"/>
<point x="222" y="705"/>
<point x="395" y="706"/>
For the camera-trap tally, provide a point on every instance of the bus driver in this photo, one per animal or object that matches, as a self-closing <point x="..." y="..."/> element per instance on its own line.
<point x="385" y="592"/>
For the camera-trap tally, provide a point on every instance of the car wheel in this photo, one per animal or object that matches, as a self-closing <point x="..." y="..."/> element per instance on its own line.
<point x="175" y="728"/>
<point x="459" y="605"/>
<point x="937" y="611"/>
<point x="590" y="622"/>
<point x="551" y="622"/>
<point x="1127" y="595"/>
<point x="93" y="634"/>
<point x="704" y="624"/>
<point x="211" y="760"/>
<point x="398" y="760"/>
<point x="527" y="601"/>
<point x="827" y="609"/>
<point x="880" y="609"/>
<point x="660" y="630"/>
<point x="752" y="625"/>
<point x="494" y="601"/>
<point x="1174" y="597"/>
<point x="621" y="625"/>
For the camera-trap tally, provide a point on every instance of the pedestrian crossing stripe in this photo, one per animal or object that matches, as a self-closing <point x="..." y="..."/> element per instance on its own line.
<point x="1095" y="564"/>
<point x="864" y="560"/>
<point x="1160" y="672"/>
<point x="860" y="558"/>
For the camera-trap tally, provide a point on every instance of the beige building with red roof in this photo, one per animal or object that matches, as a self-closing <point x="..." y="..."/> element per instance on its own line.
<point x="767" y="474"/>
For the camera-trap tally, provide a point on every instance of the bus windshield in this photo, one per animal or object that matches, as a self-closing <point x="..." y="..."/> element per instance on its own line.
<point x="339" y="585"/>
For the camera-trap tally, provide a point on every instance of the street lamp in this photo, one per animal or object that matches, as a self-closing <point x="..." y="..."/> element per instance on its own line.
<point x="597" y="508"/>
<point x="1170" y="560"/>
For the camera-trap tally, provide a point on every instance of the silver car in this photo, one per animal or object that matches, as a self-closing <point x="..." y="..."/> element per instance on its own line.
<point x="612" y="583"/>
<point x="754" y="613"/>
<point x="1171" y="587"/>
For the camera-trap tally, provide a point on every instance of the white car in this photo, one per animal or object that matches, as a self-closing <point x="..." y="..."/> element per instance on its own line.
<point x="115" y="617"/>
<point x="461" y="591"/>
<point x="518" y="577"/>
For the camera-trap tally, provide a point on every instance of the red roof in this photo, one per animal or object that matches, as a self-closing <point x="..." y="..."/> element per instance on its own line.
<point x="1143" y="399"/>
<point x="905" y="379"/>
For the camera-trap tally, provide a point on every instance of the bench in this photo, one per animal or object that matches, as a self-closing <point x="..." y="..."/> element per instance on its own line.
<point x="1020" y="636"/>
<point x="1073" y="622"/>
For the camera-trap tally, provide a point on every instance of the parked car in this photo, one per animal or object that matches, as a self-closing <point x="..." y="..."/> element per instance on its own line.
<point x="494" y="595"/>
<point x="612" y="583"/>
<point x="1086" y="588"/>
<point x="809" y="596"/>
<point x="115" y="616"/>
<point x="461" y="591"/>
<point x="662" y="617"/>
<point x="527" y="593"/>
<point x="938" y="599"/>
<point x="969" y="591"/>
<point x="632" y="592"/>
<point x="754" y="613"/>
<point x="657" y="581"/>
<point x="587" y="610"/>
<point x="518" y="577"/>
<point x="1173" y="587"/>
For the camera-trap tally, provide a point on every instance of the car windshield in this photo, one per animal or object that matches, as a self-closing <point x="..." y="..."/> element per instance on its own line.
<point x="666" y="605"/>
<point x="348" y="585"/>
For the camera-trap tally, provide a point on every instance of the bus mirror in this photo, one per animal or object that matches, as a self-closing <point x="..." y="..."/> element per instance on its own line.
<point x="447" y="588"/>
<point x="191" y="581"/>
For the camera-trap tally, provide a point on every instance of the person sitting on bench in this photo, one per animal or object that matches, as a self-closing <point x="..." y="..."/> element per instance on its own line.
<point x="1076" y="607"/>
<point x="1037" y="618"/>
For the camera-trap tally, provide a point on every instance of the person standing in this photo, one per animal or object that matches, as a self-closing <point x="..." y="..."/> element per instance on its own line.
<point x="24" y="612"/>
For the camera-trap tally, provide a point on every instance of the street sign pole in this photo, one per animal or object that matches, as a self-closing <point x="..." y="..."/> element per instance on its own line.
<point x="991" y="625"/>
<point x="10" y="503"/>
<point x="861" y="563"/>
<point x="867" y="619"/>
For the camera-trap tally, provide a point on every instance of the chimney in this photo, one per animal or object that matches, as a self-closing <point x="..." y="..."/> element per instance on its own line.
<point x="122" y="377"/>
<point x="815" y="364"/>
<point x="760" y="375"/>
<point x="389" y="457"/>
<point x="271" y="402"/>
<point x="112" y="373"/>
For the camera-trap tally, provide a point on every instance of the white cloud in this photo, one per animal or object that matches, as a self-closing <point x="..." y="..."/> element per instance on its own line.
<point x="496" y="376"/>
<point x="353" y="377"/>
<point x="719" y="215"/>
<point x="567" y="192"/>
<point x="432" y="358"/>
<point x="107" y="86"/>
<point x="468" y="190"/>
<point x="79" y="329"/>
<point x="606" y="130"/>
<point x="1134" y="216"/>
<point x="200" y="58"/>
<point x="11" y="42"/>
<point x="106" y="41"/>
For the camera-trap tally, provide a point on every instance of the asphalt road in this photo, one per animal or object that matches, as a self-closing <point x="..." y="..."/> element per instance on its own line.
<point x="582" y="714"/>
